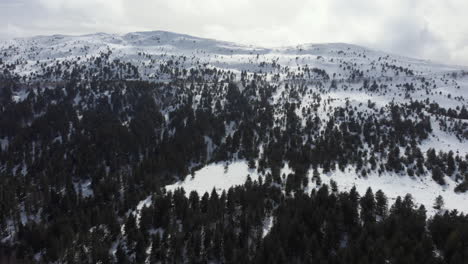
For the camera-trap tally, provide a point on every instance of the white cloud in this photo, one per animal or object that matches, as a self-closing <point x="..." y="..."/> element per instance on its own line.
<point x="431" y="29"/>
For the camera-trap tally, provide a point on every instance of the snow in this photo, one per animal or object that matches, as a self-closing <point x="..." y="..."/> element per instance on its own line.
<point x="267" y="225"/>
<point x="142" y="204"/>
<point x="85" y="188"/>
<point x="4" y="143"/>
<point x="33" y="54"/>
<point x="423" y="189"/>
<point x="163" y="46"/>
<point x="442" y="141"/>
<point x="219" y="176"/>
<point x="216" y="176"/>
<point x="20" y="96"/>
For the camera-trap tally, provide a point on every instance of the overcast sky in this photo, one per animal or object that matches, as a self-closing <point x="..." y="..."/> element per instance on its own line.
<point x="430" y="29"/>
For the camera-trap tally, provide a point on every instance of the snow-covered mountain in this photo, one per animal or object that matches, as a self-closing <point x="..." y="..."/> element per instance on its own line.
<point x="155" y="56"/>
<point x="147" y="50"/>
<point x="340" y="75"/>
<point x="102" y="126"/>
<point x="140" y="56"/>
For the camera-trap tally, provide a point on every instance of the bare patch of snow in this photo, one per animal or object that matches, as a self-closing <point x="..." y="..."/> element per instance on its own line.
<point x="219" y="176"/>
<point x="267" y="225"/>
<point x="423" y="189"/>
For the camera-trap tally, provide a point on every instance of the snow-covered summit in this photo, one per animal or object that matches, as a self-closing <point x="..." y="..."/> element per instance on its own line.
<point x="146" y="49"/>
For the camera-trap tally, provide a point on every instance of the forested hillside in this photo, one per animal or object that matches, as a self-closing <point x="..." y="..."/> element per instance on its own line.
<point x="101" y="134"/>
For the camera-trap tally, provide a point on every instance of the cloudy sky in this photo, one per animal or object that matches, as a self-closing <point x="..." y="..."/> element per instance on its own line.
<point x="430" y="29"/>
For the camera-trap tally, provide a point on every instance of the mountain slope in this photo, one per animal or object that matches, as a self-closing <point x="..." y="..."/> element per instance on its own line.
<point x="107" y="124"/>
<point x="340" y="74"/>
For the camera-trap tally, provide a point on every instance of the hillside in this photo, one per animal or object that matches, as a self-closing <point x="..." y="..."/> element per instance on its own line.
<point x="113" y="123"/>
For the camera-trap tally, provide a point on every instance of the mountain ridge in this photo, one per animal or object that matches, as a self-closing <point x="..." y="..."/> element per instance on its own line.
<point x="184" y="35"/>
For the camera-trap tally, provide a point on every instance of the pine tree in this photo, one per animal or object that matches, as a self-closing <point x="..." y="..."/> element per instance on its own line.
<point x="438" y="175"/>
<point x="439" y="202"/>
<point x="368" y="207"/>
<point x="381" y="204"/>
<point x="333" y="186"/>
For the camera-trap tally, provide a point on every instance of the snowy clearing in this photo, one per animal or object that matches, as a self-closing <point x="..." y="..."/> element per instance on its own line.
<point x="423" y="189"/>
